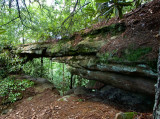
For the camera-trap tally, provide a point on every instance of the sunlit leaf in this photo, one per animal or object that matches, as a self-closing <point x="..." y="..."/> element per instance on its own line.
<point x="2" y="31"/>
<point x="101" y="1"/>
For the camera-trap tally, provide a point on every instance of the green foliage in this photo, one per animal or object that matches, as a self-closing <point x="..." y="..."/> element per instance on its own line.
<point x="49" y="21"/>
<point x="79" y="81"/>
<point x="112" y="7"/>
<point x="11" y="89"/>
<point x="135" y="55"/>
<point x="2" y="30"/>
<point x="59" y="76"/>
<point x="127" y="55"/>
<point x="54" y="72"/>
<point x="33" y="68"/>
<point x="10" y="63"/>
<point x="105" y="57"/>
<point x="101" y="1"/>
<point x="51" y="71"/>
<point x="128" y="115"/>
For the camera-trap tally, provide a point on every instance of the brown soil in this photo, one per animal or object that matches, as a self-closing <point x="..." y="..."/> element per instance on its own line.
<point x="143" y="30"/>
<point x="143" y="25"/>
<point x="49" y="105"/>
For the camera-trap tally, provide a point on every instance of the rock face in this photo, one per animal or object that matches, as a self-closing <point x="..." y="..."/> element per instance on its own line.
<point x="138" y="102"/>
<point x="81" y="90"/>
<point x="137" y="78"/>
<point x="87" y="44"/>
<point x="112" y="54"/>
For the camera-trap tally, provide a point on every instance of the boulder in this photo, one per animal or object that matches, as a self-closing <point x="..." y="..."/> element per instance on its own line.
<point x="125" y="115"/>
<point x="81" y="90"/>
<point x="92" y="84"/>
<point x="126" y="82"/>
<point x="126" y="98"/>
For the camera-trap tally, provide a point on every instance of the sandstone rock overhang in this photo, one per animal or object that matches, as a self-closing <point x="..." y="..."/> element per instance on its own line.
<point x="78" y="44"/>
<point x="123" y="54"/>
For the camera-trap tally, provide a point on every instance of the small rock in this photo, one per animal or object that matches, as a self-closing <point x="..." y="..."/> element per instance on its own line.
<point x="6" y="111"/>
<point x="81" y="90"/>
<point x="69" y="92"/>
<point x="125" y="115"/>
<point x="64" y="98"/>
<point x="30" y="98"/>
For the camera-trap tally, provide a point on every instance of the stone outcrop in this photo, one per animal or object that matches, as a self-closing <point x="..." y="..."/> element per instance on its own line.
<point x="87" y="44"/>
<point x="126" y="68"/>
<point x="138" y="78"/>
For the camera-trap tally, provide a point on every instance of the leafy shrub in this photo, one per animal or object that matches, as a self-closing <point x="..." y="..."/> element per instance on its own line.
<point x="52" y="71"/>
<point x="33" y="68"/>
<point x="104" y="57"/>
<point x="10" y="63"/>
<point x="11" y="89"/>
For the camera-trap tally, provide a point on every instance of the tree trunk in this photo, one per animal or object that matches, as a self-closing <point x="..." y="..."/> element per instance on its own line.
<point x="71" y="84"/>
<point x="156" y="109"/>
<point x="41" y="66"/>
<point x="63" y="80"/>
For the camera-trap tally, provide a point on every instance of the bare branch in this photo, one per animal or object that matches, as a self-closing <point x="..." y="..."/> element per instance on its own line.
<point x="24" y="2"/>
<point x="9" y="21"/>
<point x="74" y="12"/>
<point x="39" y="3"/>
<point x="3" y="5"/>
<point x="10" y="3"/>
<point x="18" y="9"/>
<point x="19" y="12"/>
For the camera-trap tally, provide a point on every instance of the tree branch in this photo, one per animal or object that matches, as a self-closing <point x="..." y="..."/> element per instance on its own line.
<point x="19" y="12"/>
<point x="3" y="5"/>
<point x="24" y="2"/>
<point x="72" y="14"/>
<point x="9" y="21"/>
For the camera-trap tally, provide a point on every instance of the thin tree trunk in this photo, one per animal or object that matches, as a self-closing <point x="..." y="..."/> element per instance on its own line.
<point x="23" y="36"/>
<point x="41" y="66"/>
<point x="63" y="79"/>
<point x="51" y="71"/>
<point x="71" y="86"/>
<point x="156" y="109"/>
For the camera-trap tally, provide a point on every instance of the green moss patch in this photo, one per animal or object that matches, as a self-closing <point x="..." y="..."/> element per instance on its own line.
<point x="135" y="55"/>
<point x="129" y="55"/>
<point x="113" y="29"/>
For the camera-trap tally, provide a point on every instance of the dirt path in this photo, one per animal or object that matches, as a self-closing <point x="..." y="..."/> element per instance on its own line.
<point x="44" y="102"/>
<point x="49" y="105"/>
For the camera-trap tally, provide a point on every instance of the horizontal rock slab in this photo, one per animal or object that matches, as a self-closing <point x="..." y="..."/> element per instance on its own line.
<point x="85" y="44"/>
<point x="133" y="84"/>
<point x="90" y="63"/>
<point x="135" y="78"/>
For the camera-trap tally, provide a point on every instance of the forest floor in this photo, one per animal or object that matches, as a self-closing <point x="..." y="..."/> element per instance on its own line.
<point x="44" y="102"/>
